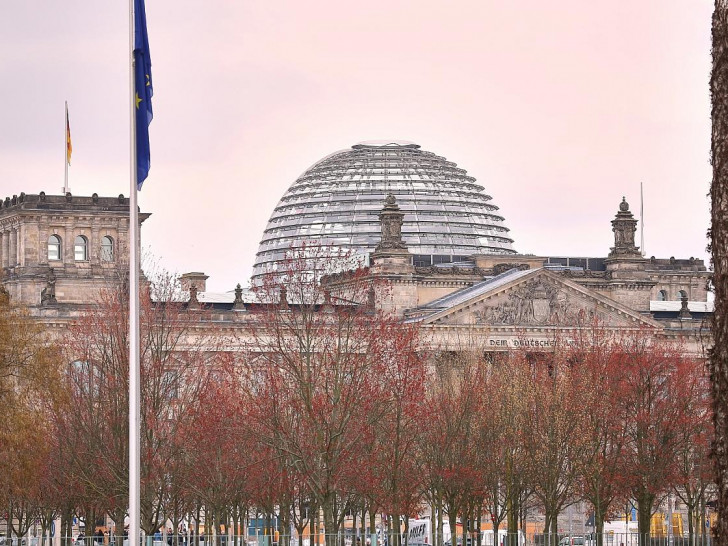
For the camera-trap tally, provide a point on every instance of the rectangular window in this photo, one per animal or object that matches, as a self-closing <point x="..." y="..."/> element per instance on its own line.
<point x="422" y="260"/>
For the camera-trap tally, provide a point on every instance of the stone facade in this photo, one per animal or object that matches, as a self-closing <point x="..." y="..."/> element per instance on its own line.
<point x="544" y="300"/>
<point x="70" y="246"/>
<point x="508" y="301"/>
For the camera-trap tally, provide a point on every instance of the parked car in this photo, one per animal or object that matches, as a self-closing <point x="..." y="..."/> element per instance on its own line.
<point x="468" y="542"/>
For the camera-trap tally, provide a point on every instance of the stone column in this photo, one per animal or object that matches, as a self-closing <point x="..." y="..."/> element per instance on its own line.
<point x="68" y="246"/>
<point x="94" y="246"/>
<point x="43" y="245"/>
<point x="20" y="259"/>
<point x="13" y="255"/>
<point x="6" y="248"/>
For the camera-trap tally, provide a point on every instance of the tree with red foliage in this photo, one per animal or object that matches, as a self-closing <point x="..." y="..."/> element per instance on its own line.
<point x="504" y="424"/>
<point x="654" y="380"/>
<point x="553" y="445"/>
<point x="603" y="431"/>
<point x="449" y="443"/>
<point x="694" y="473"/>
<point x="174" y="368"/>
<point x="218" y="455"/>
<point x="318" y="373"/>
<point x="395" y="479"/>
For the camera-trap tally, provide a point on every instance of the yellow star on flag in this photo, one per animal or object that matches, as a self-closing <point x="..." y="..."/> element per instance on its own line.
<point x="138" y="100"/>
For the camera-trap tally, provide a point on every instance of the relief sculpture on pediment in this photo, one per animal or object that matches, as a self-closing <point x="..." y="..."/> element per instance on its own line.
<point x="535" y="303"/>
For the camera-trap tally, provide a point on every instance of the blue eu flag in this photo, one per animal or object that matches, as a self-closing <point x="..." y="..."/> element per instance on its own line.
<point x="143" y="98"/>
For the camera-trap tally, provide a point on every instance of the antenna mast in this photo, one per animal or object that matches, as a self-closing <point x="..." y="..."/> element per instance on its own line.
<point x="642" y="223"/>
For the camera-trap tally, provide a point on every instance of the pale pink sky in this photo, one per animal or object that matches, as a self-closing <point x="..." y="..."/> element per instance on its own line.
<point x="558" y="108"/>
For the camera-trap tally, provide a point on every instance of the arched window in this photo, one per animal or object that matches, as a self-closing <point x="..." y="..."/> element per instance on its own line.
<point x="80" y="248"/>
<point x="85" y="378"/>
<point x="54" y="247"/>
<point x="107" y="249"/>
<point x="662" y="295"/>
<point x="682" y="294"/>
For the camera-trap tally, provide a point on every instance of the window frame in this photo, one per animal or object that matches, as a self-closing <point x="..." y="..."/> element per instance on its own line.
<point x="78" y="246"/>
<point x="107" y="250"/>
<point x="58" y="244"/>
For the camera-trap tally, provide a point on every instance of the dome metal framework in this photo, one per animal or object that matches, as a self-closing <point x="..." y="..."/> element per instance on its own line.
<point x="336" y="203"/>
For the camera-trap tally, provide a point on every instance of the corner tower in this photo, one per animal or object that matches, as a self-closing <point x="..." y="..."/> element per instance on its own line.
<point x="625" y="267"/>
<point x="57" y="249"/>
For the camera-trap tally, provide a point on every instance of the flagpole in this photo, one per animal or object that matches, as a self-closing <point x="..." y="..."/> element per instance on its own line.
<point x="134" y="383"/>
<point x="642" y="223"/>
<point x="65" y="151"/>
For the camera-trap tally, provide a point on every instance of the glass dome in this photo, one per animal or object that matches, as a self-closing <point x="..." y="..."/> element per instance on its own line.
<point x="336" y="203"/>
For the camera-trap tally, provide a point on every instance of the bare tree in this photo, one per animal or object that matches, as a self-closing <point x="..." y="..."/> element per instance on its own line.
<point x="175" y="368"/>
<point x="28" y="373"/>
<point x="318" y="375"/>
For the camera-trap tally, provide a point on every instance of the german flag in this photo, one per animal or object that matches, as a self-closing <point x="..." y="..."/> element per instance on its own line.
<point x="69" y="147"/>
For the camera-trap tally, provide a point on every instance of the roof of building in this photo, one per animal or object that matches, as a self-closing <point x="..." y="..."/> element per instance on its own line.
<point x="693" y="306"/>
<point x="477" y="289"/>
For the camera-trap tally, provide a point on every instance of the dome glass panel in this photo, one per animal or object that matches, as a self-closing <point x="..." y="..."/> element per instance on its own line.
<point x="338" y="200"/>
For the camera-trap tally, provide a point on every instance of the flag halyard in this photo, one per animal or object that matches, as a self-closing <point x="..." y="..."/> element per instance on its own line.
<point x="143" y="91"/>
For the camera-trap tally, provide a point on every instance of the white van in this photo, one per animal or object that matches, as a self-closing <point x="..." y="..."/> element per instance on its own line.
<point x="488" y="537"/>
<point x="420" y="532"/>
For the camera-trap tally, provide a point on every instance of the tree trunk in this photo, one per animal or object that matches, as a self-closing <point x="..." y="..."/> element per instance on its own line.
<point x="551" y="528"/>
<point x="452" y="516"/>
<point x="479" y="538"/>
<point x="330" y="530"/>
<point x="66" y="529"/>
<point x="8" y="528"/>
<point x="197" y="526"/>
<point x="373" y="526"/>
<point x="118" y="517"/>
<point x="284" y="525"/>
<point x="599" y="517"/>
<point x="513" y="503"/>
<point x="644" y="516"/>
<point x="719" y="251"/>
<point x="440" y="533"/>
<point x="315" y="516"/>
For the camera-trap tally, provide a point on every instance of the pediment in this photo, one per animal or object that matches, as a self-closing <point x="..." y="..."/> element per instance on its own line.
<point x="539" y="298"/>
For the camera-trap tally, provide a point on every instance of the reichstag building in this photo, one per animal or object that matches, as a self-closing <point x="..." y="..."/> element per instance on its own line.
<point x="417" y="220"/>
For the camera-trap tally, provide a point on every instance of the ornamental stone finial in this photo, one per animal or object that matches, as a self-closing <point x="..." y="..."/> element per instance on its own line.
<point x="391" y="221"/>
<point x="684" y="311"/>
<point x="283" y="297"/>
<point x="371" y="305"/>
<point x="193" y="303"/>
<point x="624" y="227"/>
<point x="238" y="304"/>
